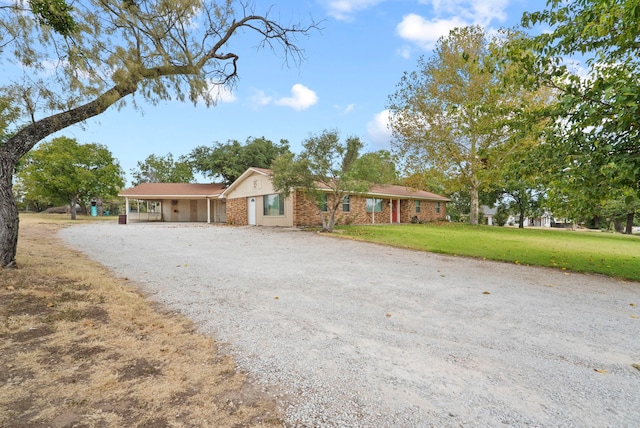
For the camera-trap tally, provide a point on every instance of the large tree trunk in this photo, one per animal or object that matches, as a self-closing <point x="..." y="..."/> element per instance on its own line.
<point x="9" y="220"/>
<point x="473" y="216"/>
<point x="629" y="229"/>
<point x="72" y="208"/>
<point x="521" y="219"/>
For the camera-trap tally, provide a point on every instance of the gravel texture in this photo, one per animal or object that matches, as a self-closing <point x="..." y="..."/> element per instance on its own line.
<point x="352" y="334"/>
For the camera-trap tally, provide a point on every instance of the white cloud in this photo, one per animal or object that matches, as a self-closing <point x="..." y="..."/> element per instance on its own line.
<point x="405" y="52"/>
<point x="425" y="33"/>
<point x="260" y="98"/>
<point x="301" y="98"/>
<point x="343" y="10"/>
<point x="447" y="15"/>
<point x="349" y="108"/>
<point x="222" y="94"/>
<point x="480" y="12"/>
<point x="378" y="132"/>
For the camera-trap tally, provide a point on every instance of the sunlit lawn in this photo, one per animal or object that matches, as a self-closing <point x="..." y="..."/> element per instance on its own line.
<point x="581" y="251"/>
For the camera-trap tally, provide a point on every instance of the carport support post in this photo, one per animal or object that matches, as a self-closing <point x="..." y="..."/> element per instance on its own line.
<point x="208" y="210"/>
<point x="126" y="209"/>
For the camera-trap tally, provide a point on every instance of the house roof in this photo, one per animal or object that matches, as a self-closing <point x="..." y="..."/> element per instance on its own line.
<point x="214" y="190"/>
<point x="395" y="191"/>
<point x="173" y="191"/>
<point x="388" y="190"/>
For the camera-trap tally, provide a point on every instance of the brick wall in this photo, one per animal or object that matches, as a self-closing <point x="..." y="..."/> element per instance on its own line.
<point x="428" y="211"/>
<point x="237" y="211"/>
<point x="306" y="212"/>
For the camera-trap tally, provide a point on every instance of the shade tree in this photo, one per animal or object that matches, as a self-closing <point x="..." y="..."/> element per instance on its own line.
<point x="591" y="147"/>
<point x="63" y="172"/>
<point x="449" y="114"/>
<point x="76" y="60"/>
<point x="325" y="172"/>
<point x="229" y="160"/>
<point x="162" y="169"/>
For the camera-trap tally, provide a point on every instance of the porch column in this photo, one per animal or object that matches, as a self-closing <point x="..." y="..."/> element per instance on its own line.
<point x="126" y="209"/>
<point x="398" y="212"/>
<point x="390" y="211"/>
<point x="208" y="210"/>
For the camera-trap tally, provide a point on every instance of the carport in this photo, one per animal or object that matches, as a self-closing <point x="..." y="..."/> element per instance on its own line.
<point x="176" y="202"/>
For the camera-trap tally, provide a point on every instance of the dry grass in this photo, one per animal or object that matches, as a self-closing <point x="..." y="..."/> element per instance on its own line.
<point x="80" y="347"/>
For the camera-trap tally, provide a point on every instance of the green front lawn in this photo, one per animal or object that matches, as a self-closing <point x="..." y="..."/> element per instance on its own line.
<point x="581" y="251"/>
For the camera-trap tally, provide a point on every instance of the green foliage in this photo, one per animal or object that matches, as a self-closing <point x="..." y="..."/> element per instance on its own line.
<point x="163" y="169"/>
<point x="450" y="114"/>
<point x="591" y="153"/>
<point x="375" y="167"/>
<point x="603" y="253"/>
<point x="77" y="60"/>
<point x="228" y="161"/>
<point x="501" y="216"/>
<point x="63" y="172"/>
<point x="326" y="166"/>
<point x="54" y="13"/>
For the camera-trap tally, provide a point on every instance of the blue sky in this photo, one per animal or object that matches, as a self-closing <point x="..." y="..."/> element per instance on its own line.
<point x="351" y="68"/>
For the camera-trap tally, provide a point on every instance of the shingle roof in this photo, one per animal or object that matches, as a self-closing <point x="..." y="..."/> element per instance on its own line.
<point x="395" y="191"/>
<point x="406" y="192"/>
<point x="173" y="191"/>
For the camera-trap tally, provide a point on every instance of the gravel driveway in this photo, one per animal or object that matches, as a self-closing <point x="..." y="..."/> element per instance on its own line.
<point x="353" y="334"/>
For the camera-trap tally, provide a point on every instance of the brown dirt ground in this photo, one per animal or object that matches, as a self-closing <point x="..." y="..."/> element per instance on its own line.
<point x="80" y="347"/>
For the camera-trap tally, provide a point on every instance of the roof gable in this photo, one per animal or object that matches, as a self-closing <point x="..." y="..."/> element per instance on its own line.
<point x="244" y="176"/>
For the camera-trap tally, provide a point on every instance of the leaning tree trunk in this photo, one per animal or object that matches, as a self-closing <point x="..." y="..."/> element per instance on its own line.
<point x="19" y="145"/>
<point x="9" y="220"/>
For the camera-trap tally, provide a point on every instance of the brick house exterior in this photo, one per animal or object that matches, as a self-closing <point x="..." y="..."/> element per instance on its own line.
<point x="396" y="204"/>
<point x="252" y="200"/>
<point x="306" y="211"/>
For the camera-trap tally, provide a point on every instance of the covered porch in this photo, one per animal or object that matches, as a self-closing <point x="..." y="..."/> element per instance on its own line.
<point x="175" y="202"/>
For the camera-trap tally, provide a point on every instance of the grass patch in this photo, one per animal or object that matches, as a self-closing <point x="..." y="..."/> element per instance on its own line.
<point x="80" y="347"/>
<point x="591" y="252"/>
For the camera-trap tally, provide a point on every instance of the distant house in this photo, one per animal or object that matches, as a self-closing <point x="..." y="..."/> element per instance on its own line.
<point x="252" y="200"/>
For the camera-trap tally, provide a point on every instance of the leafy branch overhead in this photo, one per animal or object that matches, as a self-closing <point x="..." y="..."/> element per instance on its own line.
<point x="78" y="59"/>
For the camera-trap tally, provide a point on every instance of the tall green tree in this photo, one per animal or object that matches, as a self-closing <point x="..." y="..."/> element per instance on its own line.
<point x="78" y="59"/>
<point x="62" y="172"/>
<point x="163" y="169"/>
<point x="445" y="114"/>
<point x="591" y="149"/>
<point x="376" y="167"/>
<point x="228" y="161"/>
<point x="324" y="172"/>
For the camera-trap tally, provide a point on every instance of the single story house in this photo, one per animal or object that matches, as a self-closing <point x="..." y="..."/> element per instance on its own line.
<point x="252" y="200"/>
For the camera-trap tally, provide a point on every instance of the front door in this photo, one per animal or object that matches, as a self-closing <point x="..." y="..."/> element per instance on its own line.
<point x="394" y="211"/>
<point x="252" y="211"/>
